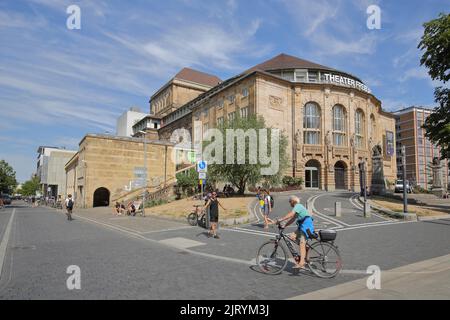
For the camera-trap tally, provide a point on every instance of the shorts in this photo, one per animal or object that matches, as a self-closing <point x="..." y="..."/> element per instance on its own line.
<point x="300" y="235"/>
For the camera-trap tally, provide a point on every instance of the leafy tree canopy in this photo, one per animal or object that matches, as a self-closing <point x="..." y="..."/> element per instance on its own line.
<point x="248" y="172"/>
<point x="8" y="180"/>
<point x="30" y="187"/>
<point x="435" y="43"/>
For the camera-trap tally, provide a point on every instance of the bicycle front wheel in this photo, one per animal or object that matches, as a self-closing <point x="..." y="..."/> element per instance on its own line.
<point x="272" y="257"/>
<point x="324" y="260"/>
<point x="192" y="219"/>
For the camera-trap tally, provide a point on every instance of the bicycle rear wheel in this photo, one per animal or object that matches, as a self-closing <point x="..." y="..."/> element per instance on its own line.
<point x="192" y="219"/>
<point x="272" y="257"/>
<point x="324" y="260"/>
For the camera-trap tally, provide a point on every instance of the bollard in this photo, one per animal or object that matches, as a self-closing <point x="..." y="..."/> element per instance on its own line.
<point x="337" y="209"/>
<point x="367" y="210"/>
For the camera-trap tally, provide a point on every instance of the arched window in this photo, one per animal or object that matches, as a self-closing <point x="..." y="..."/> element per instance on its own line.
<point x="359" y="128"/>
<point x="311" y="124"/>
<point x="339" y="126"/>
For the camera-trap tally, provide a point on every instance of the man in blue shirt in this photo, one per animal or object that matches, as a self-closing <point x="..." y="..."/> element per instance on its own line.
<point x="304" y="220"/>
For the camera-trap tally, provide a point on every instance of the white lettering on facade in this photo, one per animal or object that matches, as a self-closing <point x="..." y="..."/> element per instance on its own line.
<point x="346" y="82"/>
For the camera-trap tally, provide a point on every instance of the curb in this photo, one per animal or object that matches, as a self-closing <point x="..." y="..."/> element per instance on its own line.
<point x="390" y="213"/>
<point x="431" y="218"/>
<point x="250" y="217"/>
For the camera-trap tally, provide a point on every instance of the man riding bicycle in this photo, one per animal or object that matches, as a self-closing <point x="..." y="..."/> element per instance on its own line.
<point x="304" y="221"/>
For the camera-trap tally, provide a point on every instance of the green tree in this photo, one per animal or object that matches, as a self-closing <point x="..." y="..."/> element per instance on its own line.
<point x="187" y="181"/>
<point x="240" y="175"/>
<point x="435" y="43"/>
<point x="30" y="187"/>
<point x="8" y="180"/>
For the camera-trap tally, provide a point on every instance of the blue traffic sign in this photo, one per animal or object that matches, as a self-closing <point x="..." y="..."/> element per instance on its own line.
<point x="202" y="166"/>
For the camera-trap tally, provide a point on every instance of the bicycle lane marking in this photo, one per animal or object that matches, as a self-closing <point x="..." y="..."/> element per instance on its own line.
<point x="324" y="216"/>
<point x="354" y="202"/>
<point x="5" y="240"/>
<point x="251" y="262"/>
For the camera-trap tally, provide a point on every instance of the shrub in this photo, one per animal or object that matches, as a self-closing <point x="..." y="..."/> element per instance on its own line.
<point x="292" y="182"/>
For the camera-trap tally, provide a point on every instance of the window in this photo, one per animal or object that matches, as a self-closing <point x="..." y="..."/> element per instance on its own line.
<point x="339" y="120"/>
<point x="311" y="123"/>
<point x="220" y="104"/>
<point x="359" y="129"/>
<point x="300" y="75"/>
<point x="244" y="112"/>
<point x="231" y="98"/>
<point x="245" y="93"/>
<point x="220" y="121"/>
<point x="288" y="75"/>
<point x="205" y="112"/>
<point x="231" y="116"/>
<point x="312" y="76"/>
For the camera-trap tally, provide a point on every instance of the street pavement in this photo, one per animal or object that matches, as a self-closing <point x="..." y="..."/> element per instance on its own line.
<point x="152" y="258"/>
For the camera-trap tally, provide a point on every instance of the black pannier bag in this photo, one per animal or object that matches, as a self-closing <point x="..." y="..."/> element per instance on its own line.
<point x="327" y="235"/>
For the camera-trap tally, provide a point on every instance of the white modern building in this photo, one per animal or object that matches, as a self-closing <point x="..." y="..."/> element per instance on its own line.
<point x="127" y="120"/>
<point x="50" y="170"/>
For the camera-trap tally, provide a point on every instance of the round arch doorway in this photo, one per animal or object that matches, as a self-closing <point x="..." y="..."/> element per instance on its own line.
<point x="101" y="197"/>
<point x="312" y="174"/>
<point x="340" y="170"/>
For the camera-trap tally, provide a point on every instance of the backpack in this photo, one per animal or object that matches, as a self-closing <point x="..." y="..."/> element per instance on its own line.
<point x="70" y="204"/>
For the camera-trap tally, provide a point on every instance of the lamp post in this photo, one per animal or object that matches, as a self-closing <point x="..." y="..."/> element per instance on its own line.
<point x="363" y="183"/>
<point x="144" y="194"/>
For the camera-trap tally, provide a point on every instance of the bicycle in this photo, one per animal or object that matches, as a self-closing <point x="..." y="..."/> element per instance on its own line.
<point x="196" y="217"/>
<point x="322" y="255"/>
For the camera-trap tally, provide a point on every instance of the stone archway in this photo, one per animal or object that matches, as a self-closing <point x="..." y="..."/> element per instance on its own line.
<point x="340" y="175"/>
<point x="312" y="174"/>
<point x="101" y="197"/>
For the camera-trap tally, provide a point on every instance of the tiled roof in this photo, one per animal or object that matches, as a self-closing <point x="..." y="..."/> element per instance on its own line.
<point x="284" y="61"/>
<point x="198" y="77"/>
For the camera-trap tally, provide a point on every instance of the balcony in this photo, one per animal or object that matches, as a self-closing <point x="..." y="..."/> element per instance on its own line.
<point x="341" y="151"/>
<point x="313" y="150"/>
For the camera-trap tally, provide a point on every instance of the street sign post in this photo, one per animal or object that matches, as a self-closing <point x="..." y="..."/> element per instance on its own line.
<point x="202" y="166"/>
<point x="202" y="175"/>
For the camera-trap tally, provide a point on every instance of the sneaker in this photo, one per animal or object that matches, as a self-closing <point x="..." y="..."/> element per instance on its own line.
<point x="216" y="237"/>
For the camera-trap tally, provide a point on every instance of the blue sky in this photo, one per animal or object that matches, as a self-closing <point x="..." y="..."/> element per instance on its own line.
<point x="57" y="84"/>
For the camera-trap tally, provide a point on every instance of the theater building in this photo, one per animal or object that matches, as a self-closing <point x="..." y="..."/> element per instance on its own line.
<point x="331" y="118"/>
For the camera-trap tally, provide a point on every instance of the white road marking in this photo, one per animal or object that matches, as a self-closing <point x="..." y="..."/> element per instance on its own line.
<point x="249" y="231"/>
<point x="4" y="243"/>
<point x="354" y="202"/>
<point x="366" y="225"/>
<point x="323" y="216"/>
<point x="141" y="237"/>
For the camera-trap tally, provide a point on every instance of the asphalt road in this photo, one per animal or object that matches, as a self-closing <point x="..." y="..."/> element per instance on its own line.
<point x="183" y="263"/>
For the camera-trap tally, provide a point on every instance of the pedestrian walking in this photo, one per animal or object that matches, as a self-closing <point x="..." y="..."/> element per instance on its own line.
<point x="213" y="205"/>
<point x="267" y="207"/>
<point x="69" y="206"/>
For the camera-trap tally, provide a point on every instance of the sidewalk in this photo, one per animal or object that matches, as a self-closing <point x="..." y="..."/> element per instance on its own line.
<point x="427" y="280"/>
